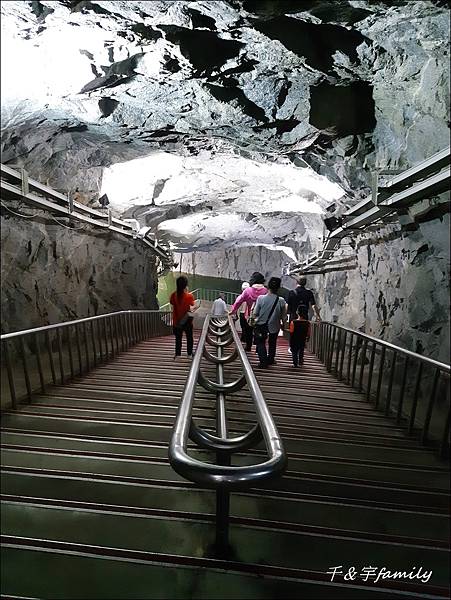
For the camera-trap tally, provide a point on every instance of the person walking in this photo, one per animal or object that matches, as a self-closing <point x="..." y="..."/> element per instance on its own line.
<point x="219" y="308"/>
<point x="242" y="315"/>
<point x="300" y="329"/>
<point x="183" y="307"/>
<point x="270" y="314"/>
<point x="248" y="297"/>
<point x="301" y="295"/>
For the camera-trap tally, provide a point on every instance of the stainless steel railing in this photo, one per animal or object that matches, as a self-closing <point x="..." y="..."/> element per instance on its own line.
<point x="220" y="333"/>
<point x="53" y="354"/>
<point x="410" y="387"/>
<point x="17" y="185"/>
<point x="208" y="295"/>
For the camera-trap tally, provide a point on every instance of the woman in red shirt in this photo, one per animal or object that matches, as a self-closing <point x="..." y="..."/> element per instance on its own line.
<point x="183" y="306"/>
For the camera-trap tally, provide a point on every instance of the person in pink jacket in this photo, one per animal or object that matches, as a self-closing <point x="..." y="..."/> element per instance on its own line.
<point x="249" y="297"/>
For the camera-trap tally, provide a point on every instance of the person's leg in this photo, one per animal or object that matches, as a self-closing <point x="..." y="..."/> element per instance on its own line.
<point x="249" y="337"/>
<point x="294" y="354"/>
<point x="290" y="318"/>
<point x="262" y="353"/>
<point x="189" y="337"/>
<point x="272" y="346"/>
<point x="243" y="324"/>
<point x="301" y="352"/>
<point x="178" y="332"/>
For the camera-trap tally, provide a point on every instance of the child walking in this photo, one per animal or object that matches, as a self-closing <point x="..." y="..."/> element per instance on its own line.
<point x="299" y="334"/>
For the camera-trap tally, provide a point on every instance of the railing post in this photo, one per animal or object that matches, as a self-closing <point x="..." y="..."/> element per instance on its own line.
<point x="25" y="367"/>
<point x="99" y="339"/>
<point x="60" y="354"/>
<point x="121" y="331"/>
<point x="444" y="443"/>
<point x="401" y="391"/>
<point x="370" y="372"/>
<point x="93" y="343"/>
<point x="358" y="345"/>
<point x="362" y="366"/>
<point x="379" y="378"/>
<point x="105" y="335"/>
<point x="348" y="367"/>
<point x="390" y="384"/>
<point x="342" y="360"/>
<point x="77" y="337"/>
<point x="110" y="327"/>
<point x="50" y="352"/>
<point x="69" y="349"/>
<point x="39" y="362"/>
<point x="413" y="408"/>
<point x="427" y="418"/>
<point x="337" y="355"/>
<point x="223" y="458"/>
<point x="12" y="388"/>
<point x="332" y="336"/>
<point x="85" y="339"/>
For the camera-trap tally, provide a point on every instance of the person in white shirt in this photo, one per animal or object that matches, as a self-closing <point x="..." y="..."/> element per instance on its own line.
<point x="219" y="308"/>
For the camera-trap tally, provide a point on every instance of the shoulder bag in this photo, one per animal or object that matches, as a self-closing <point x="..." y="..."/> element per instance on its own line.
<point x="261" y="330"/>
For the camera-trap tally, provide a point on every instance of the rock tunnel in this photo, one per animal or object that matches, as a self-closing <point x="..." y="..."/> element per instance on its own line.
<point x="289" y="137"/>
<point x="230" y="130"/>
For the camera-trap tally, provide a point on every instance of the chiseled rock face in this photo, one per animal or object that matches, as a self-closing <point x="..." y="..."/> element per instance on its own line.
<point x="220" y="125"/>
<point x="51" y="274"/>
<point x="340" y="86"/>
<point x="399" y="290"/>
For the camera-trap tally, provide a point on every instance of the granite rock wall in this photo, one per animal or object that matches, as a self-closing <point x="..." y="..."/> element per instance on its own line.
<point x="51" y="273"/>
<point x="235" y="263"/>
<point x="398" y="292"/>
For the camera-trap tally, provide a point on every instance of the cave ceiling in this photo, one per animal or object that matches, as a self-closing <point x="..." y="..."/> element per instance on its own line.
<point x="220" y="123"/>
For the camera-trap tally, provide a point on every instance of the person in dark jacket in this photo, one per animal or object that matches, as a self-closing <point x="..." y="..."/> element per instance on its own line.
<point x="299" y="335"/>
<point x="301" y="295"/>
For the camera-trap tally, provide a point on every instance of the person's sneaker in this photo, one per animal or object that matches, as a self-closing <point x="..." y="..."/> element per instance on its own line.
<point x="260" y="366"/>
<point x="289" y="351"/>
<point x="272" y="362"/>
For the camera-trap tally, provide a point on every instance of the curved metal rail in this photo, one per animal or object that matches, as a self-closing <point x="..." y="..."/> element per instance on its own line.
<point x="222" y="476"/>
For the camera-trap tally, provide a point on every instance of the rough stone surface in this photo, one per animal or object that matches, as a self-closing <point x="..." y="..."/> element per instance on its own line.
<point x="399" y="291"/>
<point x="339" y="86"/>
<point x="52" y="274"/>
<point x="235" y="107"/>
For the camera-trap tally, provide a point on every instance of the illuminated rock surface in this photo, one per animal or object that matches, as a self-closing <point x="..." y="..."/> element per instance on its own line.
<point x="228" y="127"/>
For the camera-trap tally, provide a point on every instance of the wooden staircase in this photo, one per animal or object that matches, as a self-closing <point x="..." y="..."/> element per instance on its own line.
<point x="91" y="507"/>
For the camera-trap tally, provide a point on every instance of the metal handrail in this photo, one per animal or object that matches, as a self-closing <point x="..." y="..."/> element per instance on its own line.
<point x="353" y="355"/>
<point x="424" y="180"/>
<point x="222" y="476"/>
<point x="207" y="294"/>
<point x="51" y="354"/>
<point x="65" y="206"/>
<point x="7" y="336"/>
<point x="430" y="361"/>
